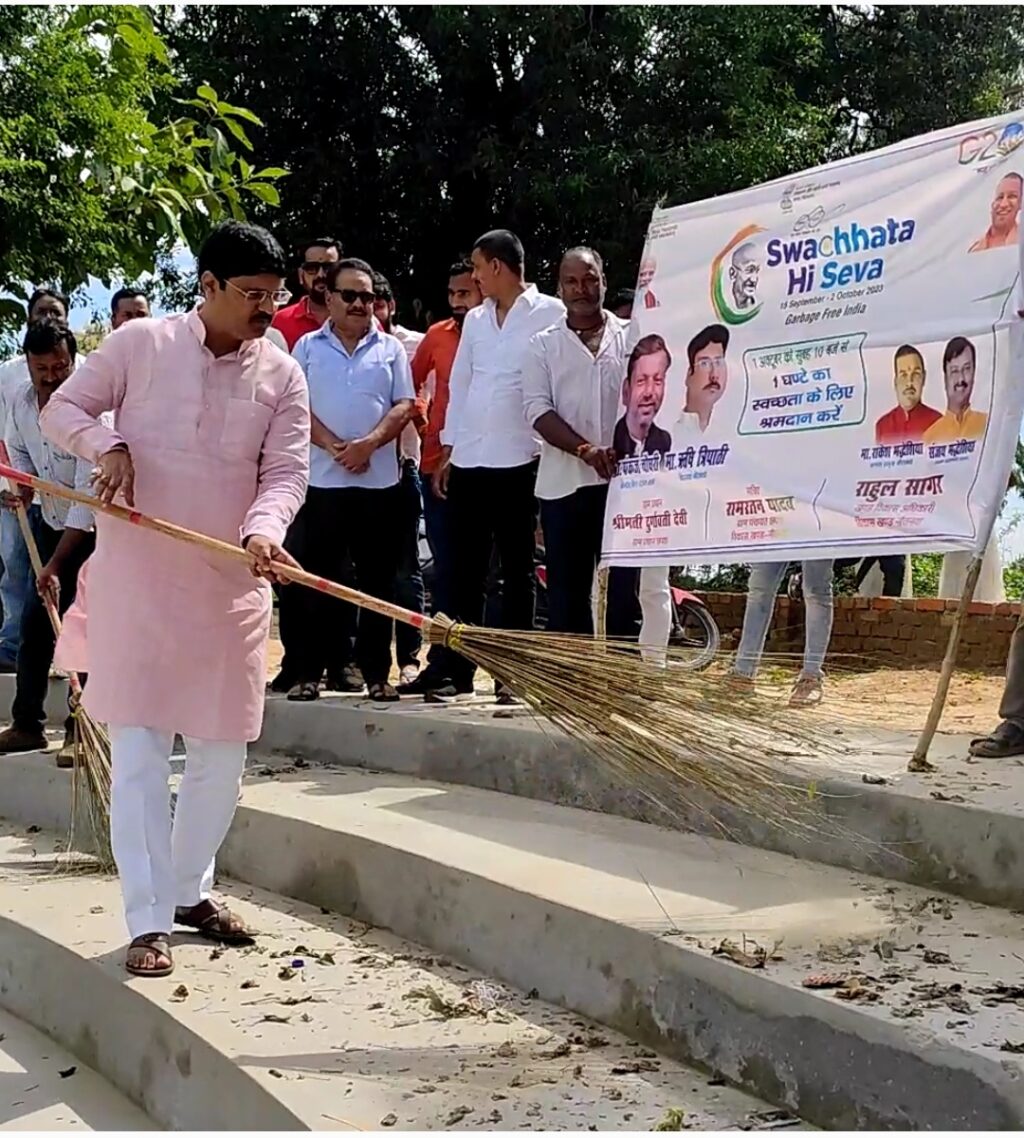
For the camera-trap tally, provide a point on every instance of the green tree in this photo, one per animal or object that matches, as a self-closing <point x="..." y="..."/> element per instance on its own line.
<point x="411" y="129"/>
<point x="92" y="182"/>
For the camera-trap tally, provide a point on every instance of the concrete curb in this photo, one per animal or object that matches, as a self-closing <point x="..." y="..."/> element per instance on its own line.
<point x="962" y="849"/>
<point x="175" y="1072"/>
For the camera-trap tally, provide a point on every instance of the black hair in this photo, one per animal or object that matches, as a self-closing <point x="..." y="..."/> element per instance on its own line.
<point x="623" y="297"/>
<point x="460" y="267"/>
<point x="240" y="249"/>
<point x="712" y="334"/>
<point x="956" y="347"/>
<point x="47" y="290"/>
<point x="318" y="243"/>
<point x="382" y="288"/>
<point x="338" y="267"/>
<point x="585" y="251"/>
<point x="648" y="346"/>
<point x="907" y="350"/>
<point x="129" y="293"/>
<point x="46" y="335"/>
<point x="501" y="245"/>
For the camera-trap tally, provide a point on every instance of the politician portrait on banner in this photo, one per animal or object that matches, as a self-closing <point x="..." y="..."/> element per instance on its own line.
<point x="830" y="369"/>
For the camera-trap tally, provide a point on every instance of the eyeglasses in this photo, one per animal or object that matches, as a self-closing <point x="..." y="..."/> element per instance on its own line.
<point x="316" y="267"/>
<point x="259" y="295"/>
<point x="350" y="296"/>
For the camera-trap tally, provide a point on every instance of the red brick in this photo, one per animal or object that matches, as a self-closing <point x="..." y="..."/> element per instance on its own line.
<point x="883" y="604"/>
<point x="861" y="602"/>
<point x="929" y="604"/>
<point x="1004" y="609"/>
<point x="979" y="608"/>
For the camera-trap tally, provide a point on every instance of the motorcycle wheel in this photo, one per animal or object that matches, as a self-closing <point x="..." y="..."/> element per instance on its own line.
<point x="695" y="632"/>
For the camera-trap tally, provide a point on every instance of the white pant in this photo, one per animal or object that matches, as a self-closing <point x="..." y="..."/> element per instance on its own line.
<point x="163" y="866"/>
<point x="656" y="606"/>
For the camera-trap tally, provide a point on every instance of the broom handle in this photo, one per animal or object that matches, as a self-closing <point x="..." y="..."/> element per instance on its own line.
<point x="215" y="545"/>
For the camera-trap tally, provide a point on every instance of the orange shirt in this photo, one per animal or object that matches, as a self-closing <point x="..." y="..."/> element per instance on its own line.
<point x="436" y="353"/>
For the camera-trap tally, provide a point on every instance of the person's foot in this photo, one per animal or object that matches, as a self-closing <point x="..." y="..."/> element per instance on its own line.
<point x="740" y="685"/>
<point x="1006" y="741"/>
<point x="16" y="740"/>
<point x="407" y="674"/>
<point x="807" y="692"/>
<point x="66" y="755"/>
<point x="304" y="693"/>
<point x="149" y="955"/>
<point x="382" y="692"/>
<point x="349" y="680"/>
<point x="215" y="921"/>
<point x="447" y="691"/>
<point x="425" y="681"/>
<point x="503" y="694"/>
<point x="281" y="683"/>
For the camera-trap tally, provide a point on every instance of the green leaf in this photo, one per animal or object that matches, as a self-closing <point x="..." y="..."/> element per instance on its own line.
<point x="239" y="112"/>
<point x="238" y="132"/>
<point x="205" y="91"/>
<point x="11" y="309"/>
<point x="245" y="169"/>
<point x="221" y="150"/>
<point x="265" y="192"/>
<point x="273" y="172"/>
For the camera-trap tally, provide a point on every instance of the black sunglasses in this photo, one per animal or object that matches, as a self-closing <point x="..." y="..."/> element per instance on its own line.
<point x="316" y="266"/>
<point x="350" y="296"/>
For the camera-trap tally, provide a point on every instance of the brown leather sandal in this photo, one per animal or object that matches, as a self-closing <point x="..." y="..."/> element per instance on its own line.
<point x="215" y="922"/>
<point x="149" y="946"/>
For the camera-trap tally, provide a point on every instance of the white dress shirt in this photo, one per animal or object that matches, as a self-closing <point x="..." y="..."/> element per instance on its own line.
<point x="13" y="374"/>
<point x="32" y="453"/>
<point x="486" y="424"/>
<point x="561" y="374"/>
<point x="409" y="439"/>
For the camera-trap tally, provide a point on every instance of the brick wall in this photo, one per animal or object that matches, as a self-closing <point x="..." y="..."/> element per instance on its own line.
<point x="882" y="629"/>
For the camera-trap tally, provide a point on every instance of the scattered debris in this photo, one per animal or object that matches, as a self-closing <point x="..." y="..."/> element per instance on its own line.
<point x="874" y="779"/>
<point x="883" y="949"/>
<point x="825" y="980"/>
<point x="35" y="830"/>
<point x="505" y="1050"/>
<point x="1013" y="1048"/>
<point x="933" y="956"/>
<point x="97" y="909"/>
<point x="634" y="1067"/>
<point x="286" y="974"/>
<point x="943" y="995"/>
<point x="738" y="954"/>
<point x="1000" y="993"/>
<point x="672" y="1119"/>
<point x="559" y="1051"/>
<point x="70" y="1070"/>
<point x="457" y="1115"/>
<point x="180" y="993"/>
<point x="769" y="1120"/>
<point x="389" y="1119"/>
<point x="908" y="1011"/>
<point x="940" y="797"/>
<point x="272" y="1017"/>
<point x="446" y="1009"/>
<point x="274" y="1073"/>
<point x="855" y="988"/>
<point x="216" y="953"/>
<point x="495" y="1116"/>
<point x="375" y="1006"/>
<point x="247" y="984"/>
<point x="292" y="1001"/>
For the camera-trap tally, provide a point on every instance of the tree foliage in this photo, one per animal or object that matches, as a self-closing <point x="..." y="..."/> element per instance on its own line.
<point x="411" y="129"/>
<point x="92" y="180"/>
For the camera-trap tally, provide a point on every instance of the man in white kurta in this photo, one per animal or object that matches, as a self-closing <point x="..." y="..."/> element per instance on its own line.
<point x="212" y="433"/>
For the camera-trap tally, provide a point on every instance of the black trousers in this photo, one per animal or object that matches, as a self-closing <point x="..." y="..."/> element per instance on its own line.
<point x="573" y="527"/>
<point x="491" y="508"/>
<point x="340" y="524"/>
<point x="291" y="610"/>
<point x="35" y="656"/>
<point x="893" y="569"/>
<point x="409" y="581"/>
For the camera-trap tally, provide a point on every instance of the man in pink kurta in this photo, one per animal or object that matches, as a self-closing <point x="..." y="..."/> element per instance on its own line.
<point x="211" y="432"/>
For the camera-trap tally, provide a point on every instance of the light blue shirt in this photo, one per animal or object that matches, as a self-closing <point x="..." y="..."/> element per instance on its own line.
<point x="350" y="394"/>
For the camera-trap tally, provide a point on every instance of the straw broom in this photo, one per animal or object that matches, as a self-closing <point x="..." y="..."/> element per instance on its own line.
<point x="90" y="778"/>
<point x="684" y="740"/>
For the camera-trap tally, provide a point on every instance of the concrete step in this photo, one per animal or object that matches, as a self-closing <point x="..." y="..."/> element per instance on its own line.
<point x="960" y="830"/>
<point x="631" y="925"/>
<point x="327" y="1024"/>
<point x="44" y="1087"/>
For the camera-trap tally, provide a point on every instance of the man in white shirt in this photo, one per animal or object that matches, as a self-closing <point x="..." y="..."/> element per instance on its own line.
<point x="18" y="583"/>
<point x="409" y="591"/>
<point x="572" y="384"/>
<point x="490" y="466"/>
<point x="65" y="537"/>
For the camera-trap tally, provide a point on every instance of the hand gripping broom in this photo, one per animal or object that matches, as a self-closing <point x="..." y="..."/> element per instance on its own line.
<point x="682" y="739"/>
<point x="90" y="779"/>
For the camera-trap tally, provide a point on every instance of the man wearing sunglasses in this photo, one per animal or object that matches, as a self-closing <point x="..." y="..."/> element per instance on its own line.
<point x="361" y="397"/>
<point x="310" y="311"/>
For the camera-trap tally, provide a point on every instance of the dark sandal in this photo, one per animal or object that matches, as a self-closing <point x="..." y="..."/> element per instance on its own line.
<point x="1006" y="741"/>
<point x="382" y="693"/>
<point x="153" y="945"/>
<point x="304" y="693"/>
<point x="214" y="922"/>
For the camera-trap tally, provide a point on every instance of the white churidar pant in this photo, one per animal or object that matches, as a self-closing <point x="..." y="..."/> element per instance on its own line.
<point x="656" y="606"/>
<point x="162" y="866"/>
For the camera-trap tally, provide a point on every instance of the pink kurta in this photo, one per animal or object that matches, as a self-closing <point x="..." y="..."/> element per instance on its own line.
<point x="177" y="636"/>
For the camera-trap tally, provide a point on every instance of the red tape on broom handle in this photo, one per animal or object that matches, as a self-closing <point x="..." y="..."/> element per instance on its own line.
<point x="215" y="545"/>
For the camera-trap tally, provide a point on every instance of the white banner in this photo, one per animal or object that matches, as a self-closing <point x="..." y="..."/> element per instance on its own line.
<point x="829" y="364"/>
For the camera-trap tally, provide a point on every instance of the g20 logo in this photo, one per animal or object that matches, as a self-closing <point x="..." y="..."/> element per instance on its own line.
<point x="990" y="144"/>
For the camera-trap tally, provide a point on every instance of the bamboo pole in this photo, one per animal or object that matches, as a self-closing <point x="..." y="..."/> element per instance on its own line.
<point x="601" y="625"/>
<point x="919" y="759"/>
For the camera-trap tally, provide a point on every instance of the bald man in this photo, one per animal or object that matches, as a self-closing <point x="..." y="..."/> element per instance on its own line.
<point x="744" y="272"/>
<point x="1004" y="229"/>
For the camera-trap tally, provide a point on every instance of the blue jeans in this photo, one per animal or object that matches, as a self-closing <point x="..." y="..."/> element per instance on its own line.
<point x="17" y="583"/>
<point x="761" y="592"/>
